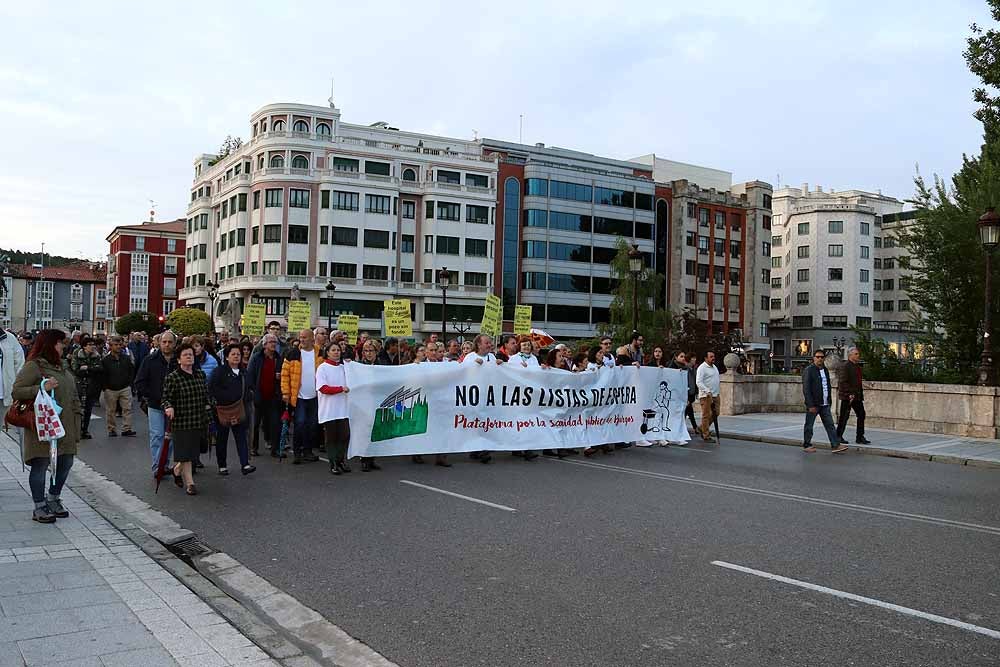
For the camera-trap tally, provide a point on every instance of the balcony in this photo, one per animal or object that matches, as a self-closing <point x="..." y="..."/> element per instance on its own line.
<point x="200" y="202"/>
<point x="170" y="270"/>
<point x="318" y="284"/>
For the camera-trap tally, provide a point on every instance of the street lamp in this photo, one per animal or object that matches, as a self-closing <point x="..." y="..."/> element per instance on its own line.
<point x="461" y="328"/>
<point x="989" y="236"/>
<point x="331" y="289"/>
<point x="444" y="282"/>
<point x="635" y="268"/>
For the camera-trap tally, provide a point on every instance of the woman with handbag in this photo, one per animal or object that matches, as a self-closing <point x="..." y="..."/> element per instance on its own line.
<point x="229" y="391"/>
<point x="45" y="364"/>
<point x="185" y="404"/>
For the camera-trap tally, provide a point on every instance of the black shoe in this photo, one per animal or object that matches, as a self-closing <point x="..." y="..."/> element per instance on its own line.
<point x="548" y="452"/>
<point x="43" y="515"/>
<point x="417" y="458"/>
<point x="85" y="436"/>
<point x="475" y="456"/>
<point x="56" y="507"/>
<point x="486" y="458"/>
<point x="443" y="463"/>
<point x="129" y="433"/>
<point x="530" y="456"/>
<point x="310" y="458"/>
<point x="373" y="465"/>
<point x="297" y="461"/>
<point x="589" y="451"/>
<point x="223" y="472"/>
<point x="843" y="440"/>
<point x="562" y="454"/>
<point x="112" y="434"/>
<point x="343" y="466"/>
<point x="862" y="441"/>
<point x="247" y="469"/>
<point x="254" y="452"/>
<point x="178" y="480"/>
<point x="198" y="465"/>
<point x="365" y="466"/>
<point x="334" y="470"/>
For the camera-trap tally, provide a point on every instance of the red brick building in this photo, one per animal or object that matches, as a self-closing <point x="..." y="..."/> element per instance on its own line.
<point x="145" y="267"/>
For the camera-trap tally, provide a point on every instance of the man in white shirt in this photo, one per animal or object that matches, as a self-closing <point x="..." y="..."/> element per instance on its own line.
<point x="306" y="404"/>
<point x="482" y="354"/>
<point x="707" y="380"/>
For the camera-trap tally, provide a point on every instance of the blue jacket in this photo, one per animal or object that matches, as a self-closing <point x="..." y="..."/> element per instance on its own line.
<point x="207" y="363"/>
<point x="812" y="386"/>
<point x="149" y="379"/>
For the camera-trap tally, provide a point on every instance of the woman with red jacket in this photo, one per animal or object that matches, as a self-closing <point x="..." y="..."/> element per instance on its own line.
<point x="332" y="390"/>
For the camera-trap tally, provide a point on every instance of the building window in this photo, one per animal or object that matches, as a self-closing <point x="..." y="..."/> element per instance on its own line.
<point x="863" y="276"/>
<point x="273" y="197"/>
<point x="835" y="321"/>
<point x="802" y="275"/>
<point x="447" y="245"/>
<point x="298" y="198"/>
<point x="322" y="130"/>
<point x="345" y="201"/>
<point x="477" y="214"/>
<point x="406" y="246"/>
<point x="256" y="199"/>
<point x="690" y="238"/>
<point x="253" y="268"/>
<point x="452" y="177"/>
<point x="863" y="322"/>
<point x="409" y="210"/>
<point x="865" y="252"/>
<point x="378" y="204"/>
<point x="836" y="227"/>
<point x="734" y="249"/>
<point x="277" y="162"/>
<point x="511" y="239"/>
<point x="863" y="299"/>
<point x="374" y="272"/>
<point x="140" y="242"/>
<point x="803" y="251"/>
<point x="296" y="233"/>
<point x="276" y="305"/>
<point x="703" y="217"/>
<point x="449" y="211"/>
<point x="475" y="279"/>
<point x="720" y="247"/>
<point x="477" y="180"/>
<point x="877" y="306"/>
<point x="802" y="298"/>
<point x="409" y="175"/>
<point x="878" y="263"/>
<point x="475" y="247"/>
<point x="865" y="229"/>
<point x="406" y="275"/>
<point x="342" y="270"/>
<point x="888" y="284"/>
<point x="903" y="305"/>
<point x="836" y="250"/>
<point x="203" y="251"/>
<point x="346" y="164"/>
<point x="703" y="245"/>
<point x="271" y="268"/>
<point x="324" y="199"/>
<point x="272" y="233"/>
<point x="377" y="168"/>
<point x="835" y="297"/>
<point x="296" y="268"/>
<point x="887" y="306"/>
<point x="888" y="263"/>
<point x="775" y="262"/>
<point x="878" y="241"/>
<point x="324" y="235"/>
<point x="803" y="228"/>
<point x="375" y="238"/>
<point x="835" y="274"/>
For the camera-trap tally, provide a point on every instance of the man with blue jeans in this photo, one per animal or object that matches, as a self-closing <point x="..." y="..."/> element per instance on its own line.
<point x="816" y="389"/>
<point x="149" y="390"/>
<point x="298" y="389"/>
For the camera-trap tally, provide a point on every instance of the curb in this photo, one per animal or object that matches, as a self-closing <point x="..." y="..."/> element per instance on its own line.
<point x="291" y="633"/>
<point x="871" y="451"/>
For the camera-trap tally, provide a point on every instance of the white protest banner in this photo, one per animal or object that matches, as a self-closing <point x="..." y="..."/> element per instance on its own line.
<point x="449" y="407"/>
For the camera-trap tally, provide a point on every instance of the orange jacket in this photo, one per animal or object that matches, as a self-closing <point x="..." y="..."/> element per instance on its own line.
<point x="291" y="377"/>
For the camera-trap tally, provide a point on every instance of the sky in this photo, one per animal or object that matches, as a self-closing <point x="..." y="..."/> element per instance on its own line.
<point x="104" y="106"/>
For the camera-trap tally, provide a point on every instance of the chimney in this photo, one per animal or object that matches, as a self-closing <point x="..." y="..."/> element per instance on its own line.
<point x="819" y="188"/>
<point x="540" y="145"/>
<point x="805" y="189"/>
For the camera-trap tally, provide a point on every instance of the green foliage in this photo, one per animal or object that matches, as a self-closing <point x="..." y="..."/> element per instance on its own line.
<point x="137" y="320"/>
<point x="190" y="321"/>
<point x="229" y="146"/>
<point x="691" y="334"/>
<point x="981" y="57"/>
<point x="20" y="257"/>
<point x="655" y="321"/>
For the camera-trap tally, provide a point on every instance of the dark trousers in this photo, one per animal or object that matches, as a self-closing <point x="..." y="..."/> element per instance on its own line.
<point x="222" y="444"/>
<point x="88" y="408"/>
<point x="823" y="412"/>
<point x="36" y="478"/>
<point x="306" y="426"/>
<point x="337" y="435"/>
<point x="267" y="415"/>
<point x="846" y="405"/>
<point x="689" y="410"/>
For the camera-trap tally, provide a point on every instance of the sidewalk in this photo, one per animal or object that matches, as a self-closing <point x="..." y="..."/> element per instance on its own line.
<point x="79" y="592"/>
<point x="786" y="429"/>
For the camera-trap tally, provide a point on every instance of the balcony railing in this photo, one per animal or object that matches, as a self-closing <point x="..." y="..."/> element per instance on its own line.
<point x="318" y="284"/>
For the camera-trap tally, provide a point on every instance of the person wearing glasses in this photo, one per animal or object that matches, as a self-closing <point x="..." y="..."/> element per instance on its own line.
<point x="816" y="388"/>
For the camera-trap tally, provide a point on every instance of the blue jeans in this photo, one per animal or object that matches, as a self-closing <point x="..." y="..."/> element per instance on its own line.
<point x="306" y="426"/>
<point x="831" y="429"/>
<point x="157" y="428"/>
<point x="222" y="443"/>
<point x="36" y="478"/>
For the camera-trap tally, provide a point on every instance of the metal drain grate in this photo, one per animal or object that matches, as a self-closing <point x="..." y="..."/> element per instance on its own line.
<point x="189" y="547"/>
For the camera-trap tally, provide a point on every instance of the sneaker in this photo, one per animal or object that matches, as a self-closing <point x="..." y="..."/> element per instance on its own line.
<point x="223" y="472"/>
<point x="56" y="507"/>
<point x="247" y="469"/>
<point x="112" y="434"/>
<point x="863" y="441"/>
<point x="843" y="440"/>
<point x="43" y="515"/>
<point x="840" y="449"/>
<point x="809" y="450"/>
<point x="128" y="434"/>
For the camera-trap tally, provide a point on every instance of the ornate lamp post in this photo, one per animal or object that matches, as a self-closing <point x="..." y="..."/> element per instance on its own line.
<point x="331" y="289"/>
<point x="635" y="268"/>
<point x="461" y="328"/>
<point x="989" y="236"/>
<point x="444" y="282"/>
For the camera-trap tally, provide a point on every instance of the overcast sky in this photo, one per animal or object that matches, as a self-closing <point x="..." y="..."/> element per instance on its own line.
<point x="104" y="105"/>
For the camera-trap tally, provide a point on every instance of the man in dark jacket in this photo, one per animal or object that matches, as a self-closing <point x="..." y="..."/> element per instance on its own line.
<point x="149" y="389"/>
<point x="388" y="355"/>
<point x="851" y="393"/>
<point x="681" y="363"/>
<point x="816" y="388"/>
<point x="118" y="374"/>
<point x="264" y="380"/>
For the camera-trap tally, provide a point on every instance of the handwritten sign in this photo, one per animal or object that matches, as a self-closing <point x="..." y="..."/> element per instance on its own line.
<point x="299" y="316"/>
<point x="253" y="319"/>
<point x="522" y="320"/>
<point x="349" y="325"/>
<point x="491" y="316"/>
<point x="397" y="318"/>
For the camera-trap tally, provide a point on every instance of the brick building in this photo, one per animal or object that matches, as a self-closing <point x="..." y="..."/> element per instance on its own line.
<point x="145" y="263"/>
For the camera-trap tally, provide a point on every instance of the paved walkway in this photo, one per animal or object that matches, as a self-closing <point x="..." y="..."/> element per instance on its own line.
<point x="786" y="429"/>
<point x="79" y="592"/>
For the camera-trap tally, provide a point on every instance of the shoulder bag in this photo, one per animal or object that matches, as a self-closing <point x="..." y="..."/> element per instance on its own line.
<point x="234" y="413"/>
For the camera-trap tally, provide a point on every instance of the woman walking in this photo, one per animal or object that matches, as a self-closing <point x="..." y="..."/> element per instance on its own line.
<point x="331" y="385"/>
<point x="369" y="357"/>
<point x="44" y="362"/>
<point x="185" y="403"/>
<point x="230" y="392"/>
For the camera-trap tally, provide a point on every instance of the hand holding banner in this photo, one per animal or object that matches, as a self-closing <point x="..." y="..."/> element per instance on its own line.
<point x="522" y="320"/>
<point x="349" y="325"/>
<point x="397" y="318"/>
<point x="299" y="316"/>
<point x="492" y="318"/>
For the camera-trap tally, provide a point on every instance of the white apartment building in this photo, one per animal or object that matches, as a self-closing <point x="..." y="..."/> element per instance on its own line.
<point x="828" y="251"/>
<point x="309" y="199"/>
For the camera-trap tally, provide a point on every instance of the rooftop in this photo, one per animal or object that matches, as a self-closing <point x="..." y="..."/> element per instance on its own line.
<point x="80" y="273"/>
<point x="178" y="226"/>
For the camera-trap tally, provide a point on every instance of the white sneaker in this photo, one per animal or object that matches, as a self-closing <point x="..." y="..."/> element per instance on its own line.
<point x="643" y="443"/>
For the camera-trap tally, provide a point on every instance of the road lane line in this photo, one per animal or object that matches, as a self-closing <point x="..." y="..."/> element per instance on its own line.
<point x="950" y="523"/>
<point x="458" y="495"/>
<point x="944" y="620"/>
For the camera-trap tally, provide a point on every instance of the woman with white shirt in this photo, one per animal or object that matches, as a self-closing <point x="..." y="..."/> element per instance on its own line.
<point x="332" y="390"/>
<point x="525" y="358"/>
<point x="481" y="353"/>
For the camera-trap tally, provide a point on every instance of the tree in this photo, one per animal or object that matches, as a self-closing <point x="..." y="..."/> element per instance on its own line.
<point x="655" y="320"/>
<point x="229" y="145"/>
<point x="190" y="321"/>
<point x="692" y="335"/>
<point x="137" y="320"/>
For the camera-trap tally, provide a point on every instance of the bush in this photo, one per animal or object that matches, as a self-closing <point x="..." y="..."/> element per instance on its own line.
<point x="137" y="320"/>
<point x="190" y="321"/>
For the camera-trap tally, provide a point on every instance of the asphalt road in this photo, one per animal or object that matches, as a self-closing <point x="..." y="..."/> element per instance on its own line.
<point x="609" y="561"/>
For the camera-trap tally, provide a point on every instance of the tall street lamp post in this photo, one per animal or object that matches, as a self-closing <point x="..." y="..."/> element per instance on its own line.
<point x="444" y="282"/>
<point x="989" y="236"/>
<point x="331" y="289"/>
<point x="635" y="268"/>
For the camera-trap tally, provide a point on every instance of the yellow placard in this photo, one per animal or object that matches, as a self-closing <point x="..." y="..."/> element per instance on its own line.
<point x="492" y="318"/>
<point x="299" y="317"/>
<point x="253" y="320"/>
<point x="397" y="318"/>
<point x="522" y="320"/>
<point x="349" y="325"/>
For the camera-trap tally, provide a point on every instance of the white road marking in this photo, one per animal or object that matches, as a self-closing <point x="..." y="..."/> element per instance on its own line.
<point x="950" y="523"/>
<point x="859" y="598"/>
<point x="459" y="495"/>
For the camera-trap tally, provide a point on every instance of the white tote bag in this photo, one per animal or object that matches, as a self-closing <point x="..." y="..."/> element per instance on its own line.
<point x="47" y="423"/>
